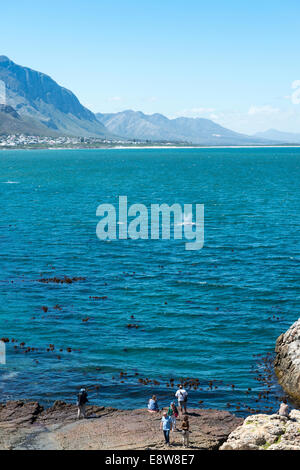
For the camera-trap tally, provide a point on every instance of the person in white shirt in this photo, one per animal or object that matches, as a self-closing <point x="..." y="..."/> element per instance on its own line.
<point x="181" y="396"/>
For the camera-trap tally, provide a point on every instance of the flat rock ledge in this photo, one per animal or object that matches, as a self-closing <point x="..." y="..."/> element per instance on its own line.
<point x="28" y="426"/>
<point x="287" y="361"/>
<point x="266" y="432"/>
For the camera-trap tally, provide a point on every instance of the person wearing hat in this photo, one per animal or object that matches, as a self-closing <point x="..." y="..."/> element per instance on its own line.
<point x="173" y="412"/>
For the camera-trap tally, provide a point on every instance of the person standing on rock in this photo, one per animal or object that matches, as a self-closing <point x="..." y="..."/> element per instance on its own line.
<point x="173" y="412"/>
<point x="81" y="402"/>
<point x="181" y="396"/>
<point x="166" y="426"/>
<point x="185" y="426"/>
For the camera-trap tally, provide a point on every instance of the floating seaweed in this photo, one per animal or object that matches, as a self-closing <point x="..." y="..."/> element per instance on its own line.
<point x="99" y="298"/>
<point x="64" y="280"/>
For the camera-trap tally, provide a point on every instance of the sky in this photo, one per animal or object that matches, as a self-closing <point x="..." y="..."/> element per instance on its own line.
<point x="233" y="61"/>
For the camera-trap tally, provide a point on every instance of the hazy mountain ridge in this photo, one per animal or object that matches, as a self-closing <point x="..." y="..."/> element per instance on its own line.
<point x="137" y="125"/>
<point x="280" y="136"/>
<point x="36" y="95"/>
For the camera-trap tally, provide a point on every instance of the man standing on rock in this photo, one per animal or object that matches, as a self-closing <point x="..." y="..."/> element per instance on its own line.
<point x="166" y="426"/>
<point x="81" y="402"/>
<point x="181" y="396"/>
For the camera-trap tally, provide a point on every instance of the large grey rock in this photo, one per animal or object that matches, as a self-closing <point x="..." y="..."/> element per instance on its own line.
<point x="266" y="432"/>
<point x="287" y="361"/>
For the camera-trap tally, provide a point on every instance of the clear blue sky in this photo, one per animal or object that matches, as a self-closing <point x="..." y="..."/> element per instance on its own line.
<point x="230" y="60"/>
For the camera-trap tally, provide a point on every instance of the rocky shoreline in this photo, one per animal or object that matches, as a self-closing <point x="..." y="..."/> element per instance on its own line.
<point x="28" y="426"/>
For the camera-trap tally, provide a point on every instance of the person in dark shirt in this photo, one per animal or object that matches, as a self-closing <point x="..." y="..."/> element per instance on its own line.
<point x="185" y="426"/>
<point x="81" y="403"/>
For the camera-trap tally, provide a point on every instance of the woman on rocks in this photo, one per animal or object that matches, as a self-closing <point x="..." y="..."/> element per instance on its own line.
<point x="284" y="409"/>
<point x="185" y="426"/>
<point x="153" y="405"/>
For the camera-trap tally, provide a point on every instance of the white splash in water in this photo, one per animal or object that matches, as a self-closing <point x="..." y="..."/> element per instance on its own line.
<point x="187" y="219"/>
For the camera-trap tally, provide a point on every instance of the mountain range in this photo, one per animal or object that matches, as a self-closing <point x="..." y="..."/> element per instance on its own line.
<point x="35" y="104"/>
<point x="156" y="127"/>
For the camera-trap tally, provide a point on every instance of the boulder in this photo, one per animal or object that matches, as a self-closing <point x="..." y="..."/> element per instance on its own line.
<point x="287" y="361"/>
<point x="266" y="432"/>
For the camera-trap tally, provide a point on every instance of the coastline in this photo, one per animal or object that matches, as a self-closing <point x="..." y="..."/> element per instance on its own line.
<point x="157" y="147"/>
<point x="208" y="147"/>
<point x="28" y="426"/>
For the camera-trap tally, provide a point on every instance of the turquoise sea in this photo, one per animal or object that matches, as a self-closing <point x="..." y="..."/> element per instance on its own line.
<point x="209" y="315"/>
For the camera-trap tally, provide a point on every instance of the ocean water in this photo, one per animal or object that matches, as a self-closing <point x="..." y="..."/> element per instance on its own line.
<point x="211" y="315"/>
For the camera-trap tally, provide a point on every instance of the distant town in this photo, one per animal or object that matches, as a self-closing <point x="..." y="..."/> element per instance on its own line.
<point x="22" y="141"/>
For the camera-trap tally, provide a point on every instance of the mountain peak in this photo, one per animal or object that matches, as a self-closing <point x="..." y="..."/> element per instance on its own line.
<point x="37" y="96"/>
<point x="4" y="59"/>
